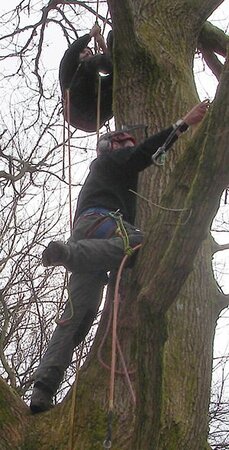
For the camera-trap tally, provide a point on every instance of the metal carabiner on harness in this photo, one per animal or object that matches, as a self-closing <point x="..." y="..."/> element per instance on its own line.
<point x="161" y="151"/>
<point x="115" y="214"/>
<point x="160" y="154"/>
<point x="108" y="439"/>
<point x="107" y="443"/>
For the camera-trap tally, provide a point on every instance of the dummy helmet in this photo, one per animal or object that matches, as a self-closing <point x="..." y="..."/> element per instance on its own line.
<point x="104" y="143"/>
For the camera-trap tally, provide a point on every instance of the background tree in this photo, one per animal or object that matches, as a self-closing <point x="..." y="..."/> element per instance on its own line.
<point x="167" y="319"/>
<point x="219" y="398"/>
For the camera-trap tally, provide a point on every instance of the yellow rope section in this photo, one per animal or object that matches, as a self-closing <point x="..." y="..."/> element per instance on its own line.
<point x="67" y="118"/>
<point x="73" y="405"/>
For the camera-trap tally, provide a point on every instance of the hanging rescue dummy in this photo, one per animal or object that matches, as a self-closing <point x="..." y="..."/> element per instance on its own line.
<point x="79" y="73"/>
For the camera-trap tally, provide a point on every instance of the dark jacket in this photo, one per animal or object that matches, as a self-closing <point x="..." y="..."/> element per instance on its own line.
<point x="113" y="174"/>
<point x="81" y="78"/>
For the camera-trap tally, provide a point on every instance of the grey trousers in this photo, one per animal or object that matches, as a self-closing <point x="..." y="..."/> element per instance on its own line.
<point x="89" y="260"/>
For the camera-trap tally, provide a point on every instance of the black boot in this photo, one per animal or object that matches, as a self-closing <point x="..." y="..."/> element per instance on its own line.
<point x="56" y="254"/>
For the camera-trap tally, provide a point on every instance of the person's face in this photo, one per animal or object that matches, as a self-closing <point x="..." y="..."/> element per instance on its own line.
<point x="85" y="54"/>
<point x="116" y="144"/>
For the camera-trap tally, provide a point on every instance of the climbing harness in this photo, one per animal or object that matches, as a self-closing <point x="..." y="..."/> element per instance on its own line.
<point x="103" y="228"/>
<point x="161" y="151"/>
<point x="107" y="224"/>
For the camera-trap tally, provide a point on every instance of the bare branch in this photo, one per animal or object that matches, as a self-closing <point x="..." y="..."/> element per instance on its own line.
<point x="213" y="62"/>
<point x="222" y="247"/>
<point x="214" y="39"/>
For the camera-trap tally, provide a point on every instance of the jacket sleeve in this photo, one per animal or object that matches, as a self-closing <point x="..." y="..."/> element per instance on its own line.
<point x="138" y="158"/>
<point x="70" y="60"/>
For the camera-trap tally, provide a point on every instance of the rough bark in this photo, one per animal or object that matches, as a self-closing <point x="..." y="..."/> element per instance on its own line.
<point x="169" y="310"/>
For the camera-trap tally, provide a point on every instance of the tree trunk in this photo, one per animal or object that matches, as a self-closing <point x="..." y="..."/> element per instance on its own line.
<point x="168" y="311"/>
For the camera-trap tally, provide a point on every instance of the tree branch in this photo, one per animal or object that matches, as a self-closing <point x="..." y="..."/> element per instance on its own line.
<point x="9" y="176"/>
<point x="203" y="172"/>
<point x="3" y="358"/>
<point x="218" y="247"/>
<point x="222" y="247"/>
<point x="214" y="39"/>
<point x="53" y="4"/>
<point x="213" y="62"/>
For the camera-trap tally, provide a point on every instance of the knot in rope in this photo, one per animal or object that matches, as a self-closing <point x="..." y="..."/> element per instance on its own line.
<point x="121" y="231"/>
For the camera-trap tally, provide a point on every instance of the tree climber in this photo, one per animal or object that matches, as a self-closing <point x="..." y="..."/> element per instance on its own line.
<point x="79" y="73"/>
<point x="96" y="246"/>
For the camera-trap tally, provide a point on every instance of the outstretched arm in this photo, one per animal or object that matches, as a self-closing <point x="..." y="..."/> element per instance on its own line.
<point x="142" y="156"/>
